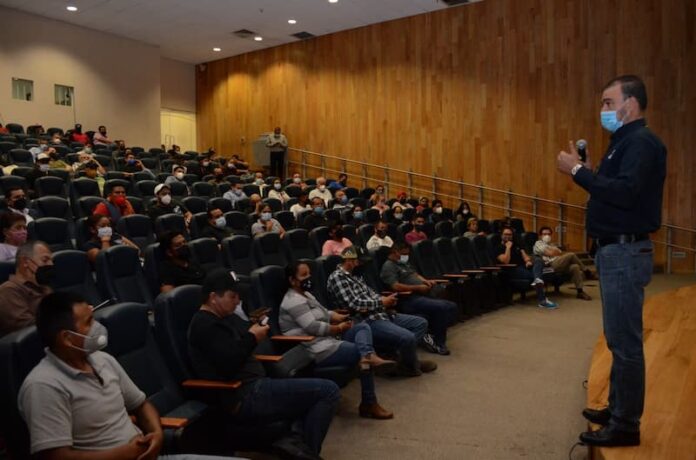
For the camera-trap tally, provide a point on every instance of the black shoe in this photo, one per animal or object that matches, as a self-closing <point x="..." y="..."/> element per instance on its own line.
<point x="598" y="417"/>
<point x="428" y="343"/>
<point x="442" y="350"/>
<point x="610" y="437"/>
<point x="291" y="447"/>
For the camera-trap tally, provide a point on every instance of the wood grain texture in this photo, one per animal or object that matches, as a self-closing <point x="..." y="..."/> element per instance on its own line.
<point x="668" y="426"/>
<point x="485" y="93"/>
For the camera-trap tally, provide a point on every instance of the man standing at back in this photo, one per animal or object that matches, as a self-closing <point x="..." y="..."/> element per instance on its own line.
<point x="277" y="143"/>
<point x="624" y="207"/>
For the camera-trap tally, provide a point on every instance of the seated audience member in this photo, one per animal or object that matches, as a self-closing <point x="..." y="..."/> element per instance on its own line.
<point x="216" y="226"/>
<point x="336" y="243"/>
<point x="102" y="236"/>
<point x="463" y="212"/>
<point x="240" y="165"/>
<point x="397" y="216"/>
<point x="14" y="234"/>
<point x="116" y="205"/>
<point x="218" y="176"/>
<point x="91" y="171"/>
<point x="221" y="347"/>
<point x="297" y="180"/>
<point x="42" y="147"/>
<point x="41" y="169"/>
<point x="85" y="157"/>
<point x="301" y="314"/>
<point x="379" y="190"/>
<point x="423" y="203"/>
<point x="100" y="138"/>
<point x="472" y="229"/>
<point x="357" y="217"/>
<point x="3" y="130"/>
<point x="120" y="149"/>
<point x="165" y="204"/>
<point x="380" y="203"/>
<point x="205" y="167"/>
<point x="339" y="184"/>
<point x="508" y="252"/>
<point x="400" y="276"/>
<point x="562" y="262"/>
<point x="436" y="215"/>
<point x="78" y="136"/>
<point x="340" y="200"/>
<point x="235" y="193"/>
<point x="178" y="173"/>
<point x="277" y="192"/>
<point x="321" y="192"/>
<point x="348" y="290"/>
<point x="23" y="291"/>
<point x="380" y="238"/>
<point x="133" y="165"/>
<point x="76" y="401"/>
<point x="317" y="217"/>
<point x="174" y="151"/>
<point x="56" y="162"/>
<point x="401" y="200"/>
<point x="301" y="205"/>
<point x="177" y="268"/>
<point x="258" y="180"/>
<point x="16" y="201"/>
<point x="56" y="139"/>
<point x="266" y="223"/>
<point x="416" y="234"/>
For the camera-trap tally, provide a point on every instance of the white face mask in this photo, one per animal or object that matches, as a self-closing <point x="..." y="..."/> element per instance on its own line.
<point x="43" y="167"/>
<point x="437" y="210"/>
<point x="220" y="222"/>
<point x="403" y="258"/>
<point x="297" y="180"/>
<point x="322" y="188"/>
<point x="166" y="199"/>
<point x="103" y="232"/>
<point x="546" y="238"/>
<point x="179" y="175"/>
<point x="277" y="186"/>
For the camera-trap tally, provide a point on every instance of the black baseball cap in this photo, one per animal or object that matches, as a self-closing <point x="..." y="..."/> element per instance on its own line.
<point x="219" y="280"/>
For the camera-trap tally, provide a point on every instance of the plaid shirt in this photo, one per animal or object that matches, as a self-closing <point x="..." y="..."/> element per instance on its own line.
<point x="351" y="292"/>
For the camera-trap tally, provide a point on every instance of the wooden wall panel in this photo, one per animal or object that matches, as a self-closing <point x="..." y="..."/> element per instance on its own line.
<point x="487" y="93"/>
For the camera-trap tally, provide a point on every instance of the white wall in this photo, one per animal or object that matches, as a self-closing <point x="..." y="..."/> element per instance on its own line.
<point x="178" y="85"/>
<point x="116" y="80"/>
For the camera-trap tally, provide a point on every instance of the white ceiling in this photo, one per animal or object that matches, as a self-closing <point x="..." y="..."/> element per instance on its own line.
<point x="187" y="30"/>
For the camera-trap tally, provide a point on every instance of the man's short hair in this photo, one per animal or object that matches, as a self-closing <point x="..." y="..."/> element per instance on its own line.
<point x="506" y="227"/>
<point x="27" y="250"/>
<point x="210" y="212"/>
<point x="8" y="192"/>
<point x="400" y="246"/>
<point x="471" y="220"/>
<point x="165" y="239"/>
<point x="418" y="216"/>
<point x="381" y="221"/>
<point x="55" y="314"/>
<point x="631" y="86"/>
<point x="541" y="230"/>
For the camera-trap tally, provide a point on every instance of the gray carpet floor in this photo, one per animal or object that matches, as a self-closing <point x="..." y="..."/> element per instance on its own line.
<point x="512" y="388"/>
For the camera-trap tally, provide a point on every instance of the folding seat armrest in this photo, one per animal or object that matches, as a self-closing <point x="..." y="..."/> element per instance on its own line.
<point x="292" y="338"/>
<point x="491" y="269"/>
<point x="173" y="422"/>
<point x="473" y="272"/>
<point x="438" y="280"/>
<point x="455" y="275"/>
<point x="506" y="265"/>
<point x="400" y="293"/>
<point x="268" y="358"/>
<point x="211" y="384"/>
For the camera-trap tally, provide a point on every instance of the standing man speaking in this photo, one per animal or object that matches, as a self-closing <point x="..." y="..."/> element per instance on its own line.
<point x="277" y="143"/>
<point x="624" y="207"/>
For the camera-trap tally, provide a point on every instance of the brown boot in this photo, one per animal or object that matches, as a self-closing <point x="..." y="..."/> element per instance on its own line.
<point x="583" y="295"/>
<point x="374" y="361"/>
<point x="375" y="411"/>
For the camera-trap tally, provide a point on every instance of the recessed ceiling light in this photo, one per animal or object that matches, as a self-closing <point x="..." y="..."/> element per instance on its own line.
<point x="71" y="8"/>
<point x="292" y="21"/>
<point x="217" y="50"/>
<point x="333" y="1"/>
<point x="258" y="38"/>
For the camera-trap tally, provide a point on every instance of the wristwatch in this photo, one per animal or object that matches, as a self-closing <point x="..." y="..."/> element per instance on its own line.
<point x="575" y="169"/>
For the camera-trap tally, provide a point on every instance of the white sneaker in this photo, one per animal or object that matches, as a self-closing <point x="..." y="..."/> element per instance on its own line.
<point x="537" y="281"/>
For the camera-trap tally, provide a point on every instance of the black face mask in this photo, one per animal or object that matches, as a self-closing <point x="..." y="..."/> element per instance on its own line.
<point x="45" y="274"/>
<point x="419" y="228"/>
<point x="183" y="252"/>
<point x="338" y="233"/>
<point x="306" y="284"/>
<point x="219" y="176"/>
<point x="358" y="270"/>
<point x="381" y="233"/>
<point x="20" y="203"/>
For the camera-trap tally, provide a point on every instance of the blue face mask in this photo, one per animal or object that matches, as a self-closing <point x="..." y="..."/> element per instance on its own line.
<point x="319" y="211"/>
<point x="610" y="121"/>
<point x="358" y="215"/>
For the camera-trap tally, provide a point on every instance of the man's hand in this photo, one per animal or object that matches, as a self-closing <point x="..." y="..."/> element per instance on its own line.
<point x="258" y="331"/>
<point x="528" y="263"/>
<point x="508" y="245"/>
<point x="424" y="288"/>
<point x="339" y="318"/>
<point x="567" y="160"/>
<point x="137" y="446"/>
<point x="389" y="301"/>
<point x="153" y="444"/>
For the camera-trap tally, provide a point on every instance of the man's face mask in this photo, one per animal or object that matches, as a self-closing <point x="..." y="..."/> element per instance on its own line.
<point x="96" y="339"/>
<point x="220" y="222"/>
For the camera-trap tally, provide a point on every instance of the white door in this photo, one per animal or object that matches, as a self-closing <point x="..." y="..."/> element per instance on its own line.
<point x="178" y="128"/>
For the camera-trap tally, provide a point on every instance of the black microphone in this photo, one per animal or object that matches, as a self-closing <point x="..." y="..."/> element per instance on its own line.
<point x="581" y="145"/>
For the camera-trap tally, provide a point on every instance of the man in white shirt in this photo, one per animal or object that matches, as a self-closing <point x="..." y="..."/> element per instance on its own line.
<point x="100" y="138"/>
<point x="562" y="262"/>
<point x="16" y="200"/>
<point x="380" y="238"/>
<point x="321" y="191"/>
<point x="277" y="143"/>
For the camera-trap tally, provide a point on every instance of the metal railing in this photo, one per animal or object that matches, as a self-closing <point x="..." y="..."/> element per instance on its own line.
<point x="307" y="159"/>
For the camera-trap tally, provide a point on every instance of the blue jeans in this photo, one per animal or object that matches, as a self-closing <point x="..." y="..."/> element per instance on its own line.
<point x="402" y="333"/>
<point x="348" y="354"/>
<point x="312" y="402"/>
<point x="624" y="270"/>
<point x="440" y="313"/>
<point x="524" y="273"/>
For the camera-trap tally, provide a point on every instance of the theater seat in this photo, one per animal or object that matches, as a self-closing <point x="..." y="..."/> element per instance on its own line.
<point x="171" y="222"/>
<point x="267" y="250"/>
<point x="137" y="228"/>
<point x="223" y="204"/>
<point x="238" y="222"/>
<point x="195" y="204"/>
<point x="21" y="157"/>
<point x="53" y="206"/>
<point x="237" y="255"/>
<point x="53" y="231"/>
<point x="153" y="257"/>
<point x="286" y="219"/>
<point x="73" y="272"/>
<point x="205" y="252"/>
<point x="120" y="275"/>
<point x="325" y="266"/>
<point x="7" y="268"/>
<point x="86" y="205"/>
<point x="317" y="237"/>
<point x="297" y="245"/>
